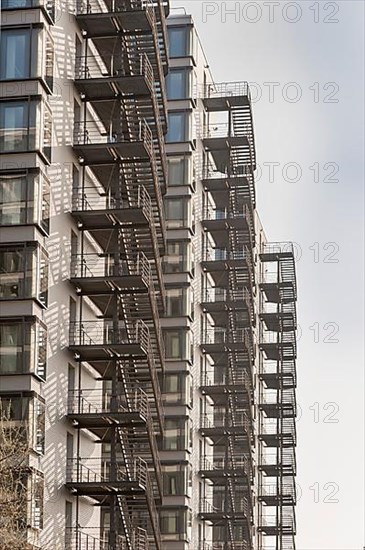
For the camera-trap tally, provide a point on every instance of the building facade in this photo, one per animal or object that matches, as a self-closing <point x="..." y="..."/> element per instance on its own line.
<point x="147" y="327"/>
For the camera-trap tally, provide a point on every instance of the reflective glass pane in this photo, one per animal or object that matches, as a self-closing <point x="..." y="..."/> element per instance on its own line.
<point x="15" y="52"/>
<point x="177" y="84"/>
<point x="13" y="200"/>
<point x="179" y="41"/>
<point x="177" y="127"/>
<point x="13" y="126"/>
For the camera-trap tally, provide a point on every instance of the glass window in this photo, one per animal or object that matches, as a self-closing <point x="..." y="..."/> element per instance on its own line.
<point x="178" y="258"/>
<point x="177" y="389"/>
<point x="177" y="127"/>
<point x="17" y="132"/>
<point x="177" y="213"/>
<point x="177" y="434"/>
<point x="178" y="302"/>
<point x="23" y="348"/>
<point x="177" y="344"/>
<point x="177" y="84"/>
<point x="20" y="201"/>
<point x="13" y="200"/>
<point x="174" y="524"/>
<point x="23" y="273"/>
<point x="179" y="41"/>
<point x="15" y="54"/>
<point x="29" y="413"/>
<point x="178" y="171"/>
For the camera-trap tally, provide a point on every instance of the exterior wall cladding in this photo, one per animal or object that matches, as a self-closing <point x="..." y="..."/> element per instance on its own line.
<point x="148" y="349"/>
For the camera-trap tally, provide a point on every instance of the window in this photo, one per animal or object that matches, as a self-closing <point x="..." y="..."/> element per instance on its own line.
<point x="23" y="347"/>
<point x="15" y="54"/>
<point x="24" y="199"/>
<point x="179" y="41"/>
<point x="178" y="302"/>
<point x="23" y="273"/>
<point x="177" y="212"/>
<point x="177" y="479"/>
<point x="174" y="524"/>
<point x="178" y="258"/>
<point x="177" y="344"/>
<point x="178" y="171"/>
<point x="19" y="131"/>
<point x="14" y="126"/>
<point x="177" y="434"/>
<point x="29" y="413"/>
<point x="177" y="389"/>
<point x="177" y="83"/>
<point x="177" y="127"/>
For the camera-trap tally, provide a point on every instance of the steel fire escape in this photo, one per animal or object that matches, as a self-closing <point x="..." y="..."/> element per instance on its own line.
<point x="117" y="204"/>
<point x="228" y="304"/>
<point x="277" y="398"/>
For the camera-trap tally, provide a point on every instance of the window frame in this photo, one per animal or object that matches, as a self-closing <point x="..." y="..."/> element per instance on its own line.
<point x="186" y="50"/>
<point x="185" y="117"/>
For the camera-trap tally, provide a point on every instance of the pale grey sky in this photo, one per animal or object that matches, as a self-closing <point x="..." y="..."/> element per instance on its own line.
<point x="318" y="139"/>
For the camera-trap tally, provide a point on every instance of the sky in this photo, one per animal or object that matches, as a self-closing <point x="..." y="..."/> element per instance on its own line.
<point x="305" y="63"/>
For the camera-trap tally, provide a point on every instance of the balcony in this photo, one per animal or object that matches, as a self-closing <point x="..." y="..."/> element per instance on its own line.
<point x="286" y="407"/>
<point x="91" y="407"/>
<point x="102" y="340"/>
<point x="217" y="219"/>
<point x="285" y="496"/>
<point x="286" y="467"/>
<point x="279" y="283"/>
<point x="220" y="299"/>
<point x="100" y="274"/>
<point x="279" y="346"/>
<point x="100" y="77"/>
<point x="95" y="143"/>
<point x="216" y="509"/>
<point x="220" y="468"/>
<point x="225" y="340"/>
<point x="221" y="183"/>
<point x="287" y="528"/>
<point x="284" y="437"/>
<point x="96" y="208"/>
<point x="223" y="259"/>
<point x="97" y="478"/>
<point x="279" y="377"/>
<point x="239" y="545"/>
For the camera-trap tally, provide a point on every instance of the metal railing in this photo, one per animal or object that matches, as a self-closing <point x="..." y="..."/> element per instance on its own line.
<point x="223" y="419"/>
<point x="219" y="505"/>
<point x="98" y="401"/>
<point x="92" y="198"/>
<point x="220" y="335"/>
<point x="221" y="254"/>
<point x="224" y="130"/>
<point x="104" y="332"/>
<point x="93" y="470"/>
<point x="84" y="7"/>
<point x="92" y="132"/>
<point x="225" y="89"/>
<point x="221" y="464"/>
<point x="104" y="265"/>
<point x="116" y="65"/>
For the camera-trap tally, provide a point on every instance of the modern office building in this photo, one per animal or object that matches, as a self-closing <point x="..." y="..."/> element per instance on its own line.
<point x="147" y="327"/>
